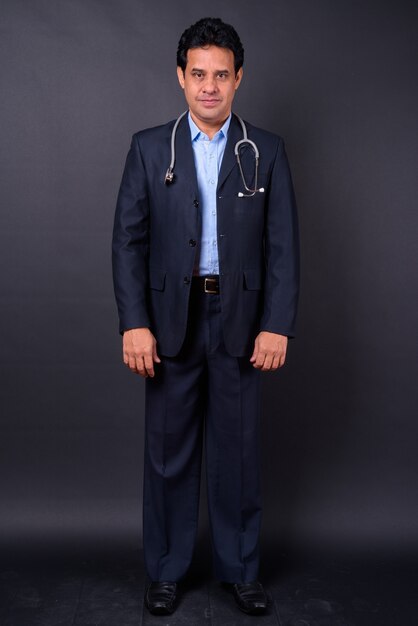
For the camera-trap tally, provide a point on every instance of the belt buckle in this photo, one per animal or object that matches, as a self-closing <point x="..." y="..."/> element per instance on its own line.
<point x="207" y="289"/>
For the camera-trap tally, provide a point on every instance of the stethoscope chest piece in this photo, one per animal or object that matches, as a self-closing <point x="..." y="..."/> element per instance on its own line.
<point x="169" y="176"/>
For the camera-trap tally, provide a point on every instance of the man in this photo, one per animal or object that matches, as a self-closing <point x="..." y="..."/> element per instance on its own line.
<point x="205" y="261"/>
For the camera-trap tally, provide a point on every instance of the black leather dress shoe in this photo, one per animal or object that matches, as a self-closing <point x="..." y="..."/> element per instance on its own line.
<point x="250" y="597"/>
<point x="161" y="598"/>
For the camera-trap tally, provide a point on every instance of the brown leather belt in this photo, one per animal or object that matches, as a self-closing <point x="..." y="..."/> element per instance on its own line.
<point x="207" y="284"/>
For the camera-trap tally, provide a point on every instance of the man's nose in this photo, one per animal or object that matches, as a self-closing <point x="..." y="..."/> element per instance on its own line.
<point x="210" y="85"/>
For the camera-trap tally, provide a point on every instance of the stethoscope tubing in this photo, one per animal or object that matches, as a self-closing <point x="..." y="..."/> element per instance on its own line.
<point x="169" y="176"/>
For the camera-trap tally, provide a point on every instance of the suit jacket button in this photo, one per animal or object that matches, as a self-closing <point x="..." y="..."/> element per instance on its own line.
<point x="192" y="242"/>
<point x="186" y="280"/>
<point x="196" y="203"/>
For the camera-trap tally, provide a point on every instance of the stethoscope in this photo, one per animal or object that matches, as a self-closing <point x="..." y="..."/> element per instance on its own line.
<point x="169" y="176"/>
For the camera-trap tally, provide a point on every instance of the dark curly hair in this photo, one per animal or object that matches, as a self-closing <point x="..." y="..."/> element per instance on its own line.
<point x="210" y="31"/>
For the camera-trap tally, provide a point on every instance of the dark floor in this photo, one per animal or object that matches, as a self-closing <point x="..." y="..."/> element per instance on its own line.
<point x="72" y="589"/>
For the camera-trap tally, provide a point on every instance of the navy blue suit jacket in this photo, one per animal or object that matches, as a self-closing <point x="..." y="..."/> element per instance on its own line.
<point x="156" y="226"/>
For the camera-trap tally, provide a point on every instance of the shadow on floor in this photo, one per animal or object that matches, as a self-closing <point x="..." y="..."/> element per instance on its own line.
<point x="85" y="585"/>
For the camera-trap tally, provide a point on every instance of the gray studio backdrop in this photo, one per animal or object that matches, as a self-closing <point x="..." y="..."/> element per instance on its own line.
<point x="337" y="79"/>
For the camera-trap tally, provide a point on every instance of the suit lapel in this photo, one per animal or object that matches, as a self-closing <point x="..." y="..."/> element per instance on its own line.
<point x="184" y="168"/>
<point x="229" y="160"/>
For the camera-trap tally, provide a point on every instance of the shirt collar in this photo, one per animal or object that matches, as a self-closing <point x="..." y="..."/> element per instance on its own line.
<point x="195" y="130"/>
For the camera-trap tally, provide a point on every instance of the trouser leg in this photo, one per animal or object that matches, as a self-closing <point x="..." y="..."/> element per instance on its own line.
<point x="232" y="461"/>
<point x="173" y="442"/>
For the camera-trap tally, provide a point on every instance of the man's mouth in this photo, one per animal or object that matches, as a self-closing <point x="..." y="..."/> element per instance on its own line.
<point x="209" y="101"/>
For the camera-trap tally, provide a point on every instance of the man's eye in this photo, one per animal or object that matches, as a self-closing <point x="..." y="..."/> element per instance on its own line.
<point x="198" y="74"/>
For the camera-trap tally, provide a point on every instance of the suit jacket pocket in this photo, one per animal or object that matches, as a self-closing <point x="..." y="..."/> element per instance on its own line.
<point x="253" y="280"/>
<point x="157" y="279"/>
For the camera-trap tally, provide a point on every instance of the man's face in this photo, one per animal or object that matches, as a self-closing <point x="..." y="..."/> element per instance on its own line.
<point x="209" y="84"/>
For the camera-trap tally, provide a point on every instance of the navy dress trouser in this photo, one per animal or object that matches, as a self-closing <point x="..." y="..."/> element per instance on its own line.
<point x="202" y="393"/>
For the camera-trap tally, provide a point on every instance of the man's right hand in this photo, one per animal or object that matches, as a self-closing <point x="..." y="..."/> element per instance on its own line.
<point x="140" y="351"/>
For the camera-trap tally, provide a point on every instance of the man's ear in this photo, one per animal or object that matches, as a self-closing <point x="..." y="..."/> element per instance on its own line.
<point x="238" y="78"/>
<point x="180" y="76"/>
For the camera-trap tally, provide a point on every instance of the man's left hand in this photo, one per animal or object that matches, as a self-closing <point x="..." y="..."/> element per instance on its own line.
<point x="269" y="351"/>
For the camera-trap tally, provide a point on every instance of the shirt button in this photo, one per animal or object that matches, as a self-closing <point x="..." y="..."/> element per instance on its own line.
<point x="196" y="203"/>
<point x="186" y="280"/>
<point x="192" y="242"/>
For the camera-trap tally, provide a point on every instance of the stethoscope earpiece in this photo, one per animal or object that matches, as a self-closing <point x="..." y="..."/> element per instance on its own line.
<point x="169" y="176"/>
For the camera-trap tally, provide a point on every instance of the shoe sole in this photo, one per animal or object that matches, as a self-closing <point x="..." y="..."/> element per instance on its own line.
<point x="259" y="611"/>
<point x="160" y="611"/>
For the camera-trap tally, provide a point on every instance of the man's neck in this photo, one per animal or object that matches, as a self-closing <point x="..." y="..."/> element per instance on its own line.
<point x="209" y="128"/>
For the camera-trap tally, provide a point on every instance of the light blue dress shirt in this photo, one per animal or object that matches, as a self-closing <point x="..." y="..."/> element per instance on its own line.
<point x="208" y="158"/>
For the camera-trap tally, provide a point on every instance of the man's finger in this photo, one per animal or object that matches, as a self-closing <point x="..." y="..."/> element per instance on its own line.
<point x="259" y="362"/>
<point x="155" y="356"/>
<point x="149" y="365"/>
<point x="140" y="366"/>
<point x="131" y="363"/>
<point x="267" y="363"/>
<point x="261" y="357"/>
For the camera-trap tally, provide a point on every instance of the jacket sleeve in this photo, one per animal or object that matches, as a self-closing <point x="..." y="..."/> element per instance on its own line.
<point x="281" y="244"/>
<point x="130" y="243"/>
